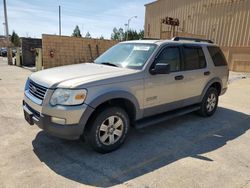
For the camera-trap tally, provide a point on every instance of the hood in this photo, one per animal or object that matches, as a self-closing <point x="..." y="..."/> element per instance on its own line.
<point x="69" y="76"/>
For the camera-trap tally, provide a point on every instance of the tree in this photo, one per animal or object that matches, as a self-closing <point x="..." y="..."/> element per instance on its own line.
<point x="88" y="35"/>
<point x="134" y="35"/>
<point x="141" y="34"/>
<point x="15" y="39"/>
<point x="101" y="37"/>
<point x="77" y="32"/>
<point x="118" y="34"/>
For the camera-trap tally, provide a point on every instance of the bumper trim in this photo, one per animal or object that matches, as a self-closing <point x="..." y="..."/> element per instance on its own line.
<point x="68" y="131"/>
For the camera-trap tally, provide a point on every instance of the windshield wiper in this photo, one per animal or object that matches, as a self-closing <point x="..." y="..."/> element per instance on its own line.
<point x="110" y="64"/>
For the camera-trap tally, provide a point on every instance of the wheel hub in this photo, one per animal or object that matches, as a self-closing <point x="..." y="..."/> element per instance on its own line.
<point x="111" y="130"/>
<point x="211" y="102"/>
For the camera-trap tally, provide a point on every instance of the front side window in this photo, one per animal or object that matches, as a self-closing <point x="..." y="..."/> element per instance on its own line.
<point x="127" y="55"/>
<point x="171" y="56"/>
<point x="194" y="58"/>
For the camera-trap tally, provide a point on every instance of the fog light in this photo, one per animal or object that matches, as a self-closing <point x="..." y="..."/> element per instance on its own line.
<point x="58" y="120"/>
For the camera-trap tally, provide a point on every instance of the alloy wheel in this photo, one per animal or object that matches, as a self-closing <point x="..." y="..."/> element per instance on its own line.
<point x="211" y="102"/>
<point x="111" y="130"/>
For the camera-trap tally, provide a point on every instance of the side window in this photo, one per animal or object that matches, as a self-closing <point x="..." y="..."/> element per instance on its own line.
<point x="171" y="56"/>
<point x="194" y="58"/>
<point x="217" y="56"/>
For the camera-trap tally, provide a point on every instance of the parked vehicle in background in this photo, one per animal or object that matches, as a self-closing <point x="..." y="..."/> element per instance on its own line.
<point x="137" y="83"/>
<point x="14" y="50"/>
<point x="3" y="52"/>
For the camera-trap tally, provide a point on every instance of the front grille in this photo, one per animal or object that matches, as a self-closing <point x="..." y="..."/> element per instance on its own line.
<point x="37" y="90"/>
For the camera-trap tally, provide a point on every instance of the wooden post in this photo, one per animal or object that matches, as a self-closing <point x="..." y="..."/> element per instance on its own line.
<point x="90" y="52"/>
<point x="18" y="57"/>
<point x="97" y="50"/>
<point x="39" y="65"/>
<point x="161" y="29"/>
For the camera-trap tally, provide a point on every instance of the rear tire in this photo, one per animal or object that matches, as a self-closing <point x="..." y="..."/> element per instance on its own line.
<point x="108" y="130"/>
<point x="209" y="103"/>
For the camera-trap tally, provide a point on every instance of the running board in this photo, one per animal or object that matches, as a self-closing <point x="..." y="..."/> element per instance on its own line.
<point x="153" y="120"/>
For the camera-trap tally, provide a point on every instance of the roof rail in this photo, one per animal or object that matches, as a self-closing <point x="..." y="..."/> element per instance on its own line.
<point x="192" y="39"/>
<point x="151" y="38"/>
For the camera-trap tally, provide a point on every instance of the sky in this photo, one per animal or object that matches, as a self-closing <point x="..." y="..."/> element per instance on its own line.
<point x="32" y="18"/>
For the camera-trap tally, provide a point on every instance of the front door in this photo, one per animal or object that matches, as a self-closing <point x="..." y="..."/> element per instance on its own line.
<point x="161" y="90"/>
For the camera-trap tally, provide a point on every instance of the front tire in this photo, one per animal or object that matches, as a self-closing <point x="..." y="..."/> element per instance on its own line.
<point x="209" y="103"/>
<point x="108" y="129"/>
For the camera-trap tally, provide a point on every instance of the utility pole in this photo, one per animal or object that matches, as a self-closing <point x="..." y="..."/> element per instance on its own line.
<point x="7" y="33"/>
<point x="60" y="23"/>
<point x="128" y="25"/>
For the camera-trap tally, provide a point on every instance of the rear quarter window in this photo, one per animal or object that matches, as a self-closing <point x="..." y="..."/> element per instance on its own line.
<point x="217" y="56"/>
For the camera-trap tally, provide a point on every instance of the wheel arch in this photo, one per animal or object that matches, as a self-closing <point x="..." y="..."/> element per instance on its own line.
<point x="216" y="83"/>
<point x="121" y="99"/>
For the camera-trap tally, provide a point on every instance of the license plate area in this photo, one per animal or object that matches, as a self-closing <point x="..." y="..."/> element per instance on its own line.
<point x="28" y="117"/>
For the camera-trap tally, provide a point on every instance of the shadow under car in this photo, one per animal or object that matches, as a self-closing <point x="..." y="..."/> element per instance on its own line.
<point x="144" y="151"/>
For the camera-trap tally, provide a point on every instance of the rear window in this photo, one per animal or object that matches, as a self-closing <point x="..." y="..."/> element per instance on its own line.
<point x="217" y="56"/>
<point x="194" y="58"/>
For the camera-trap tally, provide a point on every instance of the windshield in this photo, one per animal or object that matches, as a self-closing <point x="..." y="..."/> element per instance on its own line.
<point x="127" y="55"/>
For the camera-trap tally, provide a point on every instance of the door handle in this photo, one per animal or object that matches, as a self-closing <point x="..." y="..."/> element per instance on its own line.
<point x="181" y="77"/>
<point x="207" y="73"/>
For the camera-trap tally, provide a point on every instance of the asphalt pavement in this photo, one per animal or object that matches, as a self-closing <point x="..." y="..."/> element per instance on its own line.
<point x="188" y="151"/>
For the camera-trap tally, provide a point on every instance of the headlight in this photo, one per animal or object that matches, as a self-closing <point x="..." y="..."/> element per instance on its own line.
<point x="27" y="84"/>
<point x="68" y="97"/>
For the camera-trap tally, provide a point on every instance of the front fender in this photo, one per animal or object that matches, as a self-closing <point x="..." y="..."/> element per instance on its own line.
<point x="117" y="95"/>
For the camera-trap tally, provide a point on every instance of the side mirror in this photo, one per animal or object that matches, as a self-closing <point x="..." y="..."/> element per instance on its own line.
<point x="160" y="68"/>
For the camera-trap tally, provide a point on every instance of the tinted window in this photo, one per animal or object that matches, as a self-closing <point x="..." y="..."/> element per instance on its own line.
<point x="194" y="58"/>
<point x="217" y="56"/>
<point x="171" y="56"/>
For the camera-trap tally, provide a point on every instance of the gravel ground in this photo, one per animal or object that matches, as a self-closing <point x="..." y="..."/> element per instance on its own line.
<point x="188" y="151"/>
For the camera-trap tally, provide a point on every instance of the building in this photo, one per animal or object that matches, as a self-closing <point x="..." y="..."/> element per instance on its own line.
<point x="3" y="41"/>
<point x="28" y="48"/>
<point x="226" y="22"/>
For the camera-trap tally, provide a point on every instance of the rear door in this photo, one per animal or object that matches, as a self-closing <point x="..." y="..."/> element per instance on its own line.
<point x="196" y="72"/>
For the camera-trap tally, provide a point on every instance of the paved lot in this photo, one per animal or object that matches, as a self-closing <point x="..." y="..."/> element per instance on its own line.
<point x="188" y="151"/>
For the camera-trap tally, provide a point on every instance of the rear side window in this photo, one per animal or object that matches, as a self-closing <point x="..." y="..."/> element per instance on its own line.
<point x="194" y="58"/>
<point x="217" y="56"/>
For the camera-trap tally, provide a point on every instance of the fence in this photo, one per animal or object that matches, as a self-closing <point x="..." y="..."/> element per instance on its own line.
<point x="64" y="50"/>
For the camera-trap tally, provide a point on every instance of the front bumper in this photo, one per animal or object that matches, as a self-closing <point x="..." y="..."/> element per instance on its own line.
<point x="67" y="131"/>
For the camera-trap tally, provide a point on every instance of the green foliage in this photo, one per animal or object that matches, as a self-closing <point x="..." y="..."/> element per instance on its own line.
<point x="88" y="35"/>
<point x="120" y="35"/>
<point x="101" y="37"/>
<point x="77" y="32"/>
<point x="134" y="35"/>
<point x="15" y="39"/>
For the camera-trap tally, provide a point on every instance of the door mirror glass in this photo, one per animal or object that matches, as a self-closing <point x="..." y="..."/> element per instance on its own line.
<point x="160" y="68"/>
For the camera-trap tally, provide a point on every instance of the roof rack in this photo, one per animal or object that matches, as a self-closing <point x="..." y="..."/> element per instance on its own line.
<point x="192" y="39"/>
<point x="151" y="38"/>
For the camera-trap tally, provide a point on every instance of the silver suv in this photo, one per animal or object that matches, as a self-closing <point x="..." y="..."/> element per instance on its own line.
<point x="135" y="83"/>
